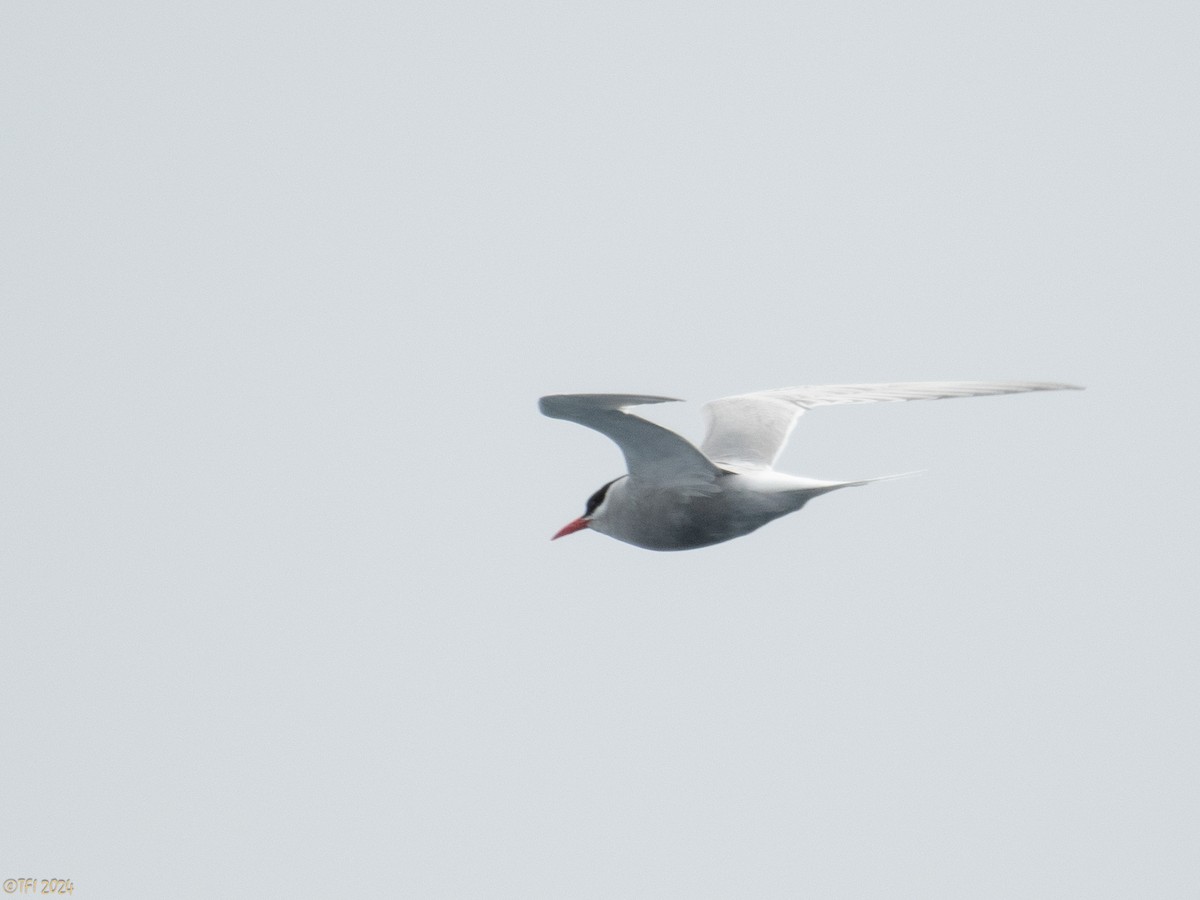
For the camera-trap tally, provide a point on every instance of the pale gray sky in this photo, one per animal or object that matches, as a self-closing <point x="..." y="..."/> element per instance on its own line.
<point x="282" y="284"/>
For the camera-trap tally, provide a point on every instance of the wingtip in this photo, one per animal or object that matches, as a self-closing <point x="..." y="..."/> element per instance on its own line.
<point x="552" y="404"/>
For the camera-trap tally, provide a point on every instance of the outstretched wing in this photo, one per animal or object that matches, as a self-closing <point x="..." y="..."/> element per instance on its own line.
<point x="652" y="453"/>
<point x="749" y="430"/>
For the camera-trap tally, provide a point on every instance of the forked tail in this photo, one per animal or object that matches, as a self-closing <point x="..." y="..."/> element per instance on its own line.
<point x="883" y="478"/>
<point x="818" y="489"/>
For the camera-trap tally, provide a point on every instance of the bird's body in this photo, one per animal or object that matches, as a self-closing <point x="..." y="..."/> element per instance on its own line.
<point x="680" y="497"/>
<point x="668" y="518"/>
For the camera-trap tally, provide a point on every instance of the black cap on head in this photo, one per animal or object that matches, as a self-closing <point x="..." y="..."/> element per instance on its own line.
<point x="597" y="498"/>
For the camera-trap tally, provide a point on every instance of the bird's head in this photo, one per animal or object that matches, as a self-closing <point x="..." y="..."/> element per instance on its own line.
<point x="592" y="512"/>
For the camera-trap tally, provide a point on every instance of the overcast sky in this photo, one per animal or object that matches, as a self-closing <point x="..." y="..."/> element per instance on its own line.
<point x="281" y="286"/>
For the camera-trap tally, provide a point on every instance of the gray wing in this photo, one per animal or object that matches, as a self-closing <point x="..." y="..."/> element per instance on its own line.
<point x="749" y="430"/>
<point x="652" y="453"/>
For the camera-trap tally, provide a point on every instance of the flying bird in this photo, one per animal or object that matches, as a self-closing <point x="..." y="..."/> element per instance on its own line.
<point x="680" y="497"/>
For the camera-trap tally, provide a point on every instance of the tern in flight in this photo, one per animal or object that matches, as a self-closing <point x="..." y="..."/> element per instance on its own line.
<point x="676" y="496"/>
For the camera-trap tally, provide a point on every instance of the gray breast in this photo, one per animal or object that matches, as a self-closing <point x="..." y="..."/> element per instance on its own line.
<point x="666" y="519"/>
